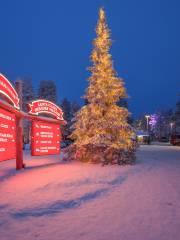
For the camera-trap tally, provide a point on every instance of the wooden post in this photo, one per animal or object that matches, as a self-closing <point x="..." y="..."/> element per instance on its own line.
<point x="19" y="130"/>
<point x="19" y="144"/>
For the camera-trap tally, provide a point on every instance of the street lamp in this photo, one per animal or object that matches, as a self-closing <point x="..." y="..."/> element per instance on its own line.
<point x="171" y="125"/>
<point x="147" y="122"/>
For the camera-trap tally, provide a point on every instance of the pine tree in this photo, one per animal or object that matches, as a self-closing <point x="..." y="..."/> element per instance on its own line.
<point x="69" y="110"/>
<point x="177" y="116"/>
<point x="101" y="132"/>
<point x="74" y="108"/>
<point x="66" y="107"/>
<point x="162" y="128"/>
<point x="28" y="93"/>
<point x="47" y="90"/>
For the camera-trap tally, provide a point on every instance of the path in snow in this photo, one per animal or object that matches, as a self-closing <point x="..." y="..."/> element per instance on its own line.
<point x="57" y="201"/>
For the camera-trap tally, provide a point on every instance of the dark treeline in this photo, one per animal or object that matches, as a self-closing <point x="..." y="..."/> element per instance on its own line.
<point x="162" y="123"/>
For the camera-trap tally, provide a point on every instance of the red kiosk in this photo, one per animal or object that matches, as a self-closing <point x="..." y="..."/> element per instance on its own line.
<point x="45" y="131"/>
<point x="10" y="130"/>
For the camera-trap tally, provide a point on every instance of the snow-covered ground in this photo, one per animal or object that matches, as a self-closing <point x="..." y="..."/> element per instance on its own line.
<point x="51" y="200"/>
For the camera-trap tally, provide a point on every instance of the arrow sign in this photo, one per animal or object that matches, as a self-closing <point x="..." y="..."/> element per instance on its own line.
<point x="46" y="138"/>
<point x="7" y="135"/>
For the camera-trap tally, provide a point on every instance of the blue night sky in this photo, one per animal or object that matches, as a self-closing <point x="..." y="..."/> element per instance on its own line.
<point x="52" y="40"/>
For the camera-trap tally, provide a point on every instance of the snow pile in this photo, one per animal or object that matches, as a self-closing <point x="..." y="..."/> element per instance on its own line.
<point x="55" y="200"/>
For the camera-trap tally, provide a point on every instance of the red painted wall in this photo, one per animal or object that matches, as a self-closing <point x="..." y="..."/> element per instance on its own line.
<point x="7" y="135"/>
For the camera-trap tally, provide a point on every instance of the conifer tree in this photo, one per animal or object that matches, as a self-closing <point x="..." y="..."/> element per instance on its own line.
<point x="28" y="93"/>
<point x="47" y="90"/>
<point x="177" y="116"/>
<point x="66" y="107"/>
<point x="101" y="131"/>
<point x="69" y="110"/>
<point x="74" y="108"/>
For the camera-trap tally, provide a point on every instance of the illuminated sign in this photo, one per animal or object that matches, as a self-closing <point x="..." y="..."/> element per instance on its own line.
<point x="45" y="138"/>
<point x="8" y="91"/>
<point x="44" y="106"/>
<point x="153" y="120"/>
<point x="7" y="135"/>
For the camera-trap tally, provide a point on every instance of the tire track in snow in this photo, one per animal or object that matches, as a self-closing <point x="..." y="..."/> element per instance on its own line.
<point x="58" y="206"/>
<point x="63" y="205"/>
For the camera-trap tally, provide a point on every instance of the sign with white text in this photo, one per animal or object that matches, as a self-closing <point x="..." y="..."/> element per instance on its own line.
<point x="45" y="138"/>
<point x="44" y="106"/>
<point x="7" y="135"/>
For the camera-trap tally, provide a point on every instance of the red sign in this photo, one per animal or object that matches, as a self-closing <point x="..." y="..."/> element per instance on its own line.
<point x="45" y="138"/>
<point x="44" y="106"/>
<point x="8" y="91"/>
<point x="7" y="135"/>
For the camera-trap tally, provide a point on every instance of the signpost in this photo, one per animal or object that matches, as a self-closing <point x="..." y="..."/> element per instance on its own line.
<point x="45" y="134"/>
<point x="45" y="138"/>
<point x="7" y="135"/>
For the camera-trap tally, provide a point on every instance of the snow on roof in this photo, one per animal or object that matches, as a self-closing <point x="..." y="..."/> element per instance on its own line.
<point x="141" y="132"/>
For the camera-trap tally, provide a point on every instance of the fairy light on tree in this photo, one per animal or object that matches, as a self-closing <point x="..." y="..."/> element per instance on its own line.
<point x="101" y="131"/>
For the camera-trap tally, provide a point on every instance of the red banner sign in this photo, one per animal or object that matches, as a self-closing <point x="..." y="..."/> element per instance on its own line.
<point x="44" y="106"/>
<point x="45" y="138"/>
<point x="7" y="135"/>
<point x="8" y="91"/>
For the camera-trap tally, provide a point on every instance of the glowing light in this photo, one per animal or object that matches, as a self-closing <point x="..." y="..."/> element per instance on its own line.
<point x="44" y="106"/>
<point x="8" y="91"/>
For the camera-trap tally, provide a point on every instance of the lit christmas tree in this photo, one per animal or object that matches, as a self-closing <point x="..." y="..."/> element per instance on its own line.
<point x="101" y="132"/>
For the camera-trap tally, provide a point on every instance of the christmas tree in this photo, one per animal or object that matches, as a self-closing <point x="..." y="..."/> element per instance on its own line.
<point x="101" y="131"/>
